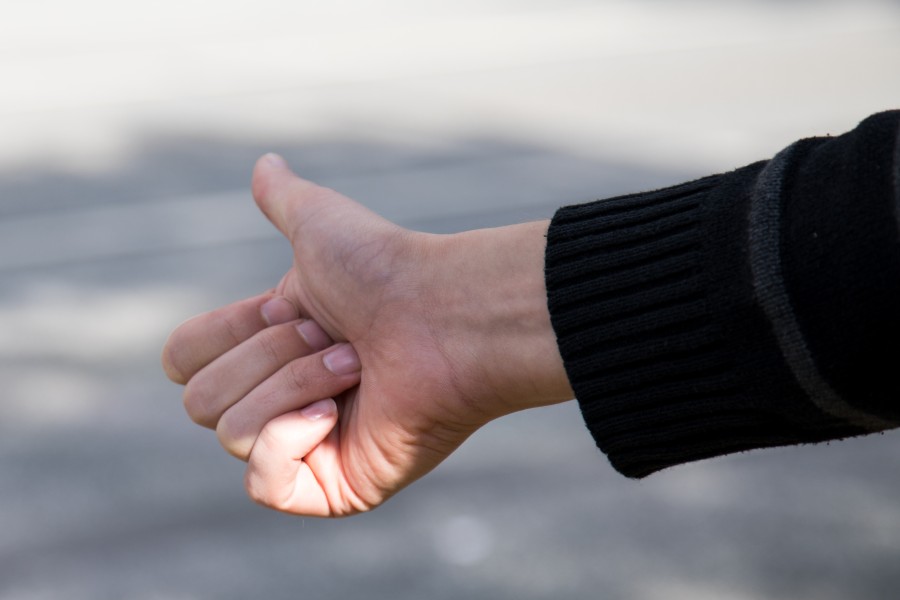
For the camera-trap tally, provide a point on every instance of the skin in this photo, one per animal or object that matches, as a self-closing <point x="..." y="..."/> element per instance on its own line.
<point x="419" y="339"/>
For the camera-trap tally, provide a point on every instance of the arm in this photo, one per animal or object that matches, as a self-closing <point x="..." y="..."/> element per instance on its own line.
<point x="750" y="309"/>
<point x="739" y="311"/>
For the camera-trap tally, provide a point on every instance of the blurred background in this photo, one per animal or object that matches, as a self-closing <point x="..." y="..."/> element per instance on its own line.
<point x="127" y="136"/>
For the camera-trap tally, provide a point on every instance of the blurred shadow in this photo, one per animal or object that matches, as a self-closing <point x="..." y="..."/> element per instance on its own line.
<point x="109" y="491"/>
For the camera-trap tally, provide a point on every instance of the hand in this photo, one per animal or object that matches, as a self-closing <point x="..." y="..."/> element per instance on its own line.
<point x="450" y="331"/>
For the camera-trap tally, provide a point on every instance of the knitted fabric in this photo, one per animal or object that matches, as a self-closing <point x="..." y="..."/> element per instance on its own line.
<point x="743" y="310"/>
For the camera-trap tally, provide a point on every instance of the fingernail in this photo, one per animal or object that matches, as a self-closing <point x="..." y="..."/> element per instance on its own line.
<point x="319" y="409"/>
<point x="343" y="360"/>
<point x="278" y="310"/>
<point x="314" y="336"/>
<point x="276" y="160"/>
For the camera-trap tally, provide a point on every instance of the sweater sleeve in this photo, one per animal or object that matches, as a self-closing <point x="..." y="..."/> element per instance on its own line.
<point x="750" y="309"/>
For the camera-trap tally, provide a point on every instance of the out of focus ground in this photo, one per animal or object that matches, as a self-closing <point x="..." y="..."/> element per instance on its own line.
<point x="127" y="136"/>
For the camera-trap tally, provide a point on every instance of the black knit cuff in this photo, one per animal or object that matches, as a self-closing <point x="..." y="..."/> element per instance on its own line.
<point x="672" y="335"/>
<point x="629" y="302"/>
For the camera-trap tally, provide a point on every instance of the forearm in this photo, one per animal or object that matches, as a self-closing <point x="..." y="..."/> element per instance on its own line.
<point x="744" y="310"/>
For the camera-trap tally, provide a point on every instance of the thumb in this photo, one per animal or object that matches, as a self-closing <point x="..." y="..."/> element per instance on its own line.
<point x="289" y="202"/>
<point x="282" y="196"/>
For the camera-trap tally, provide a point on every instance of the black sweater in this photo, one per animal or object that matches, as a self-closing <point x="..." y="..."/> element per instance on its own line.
<point x="755" y="308"/>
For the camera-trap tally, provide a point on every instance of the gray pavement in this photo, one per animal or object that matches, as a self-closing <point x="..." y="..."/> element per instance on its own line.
<point x="124" y="209"/>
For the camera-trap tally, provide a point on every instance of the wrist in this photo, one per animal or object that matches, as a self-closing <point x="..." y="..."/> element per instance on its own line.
<point x="488" y="293"/>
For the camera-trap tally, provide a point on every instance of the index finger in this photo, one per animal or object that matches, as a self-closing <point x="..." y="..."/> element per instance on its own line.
<point x="200" y="340"/>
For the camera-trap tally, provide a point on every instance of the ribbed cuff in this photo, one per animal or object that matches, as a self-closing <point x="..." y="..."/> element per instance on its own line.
<point x="628" y="303"/>
<point x="670" y="358"/>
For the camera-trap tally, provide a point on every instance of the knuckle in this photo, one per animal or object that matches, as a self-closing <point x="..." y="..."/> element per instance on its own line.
<point x="179" y="355"/>
<point x="255" y="488"/>
<point x="197" y="402"/>
<point x="170" y="364"/>
<point x="231" y="437"/>
<point x="279" y="502"/>
<point x="260" y="491"/>
<point x="299" y="375"/>
<point x="230" y="329"/>
<point x="266" y="343"/>
<point x="307" y="377"/>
